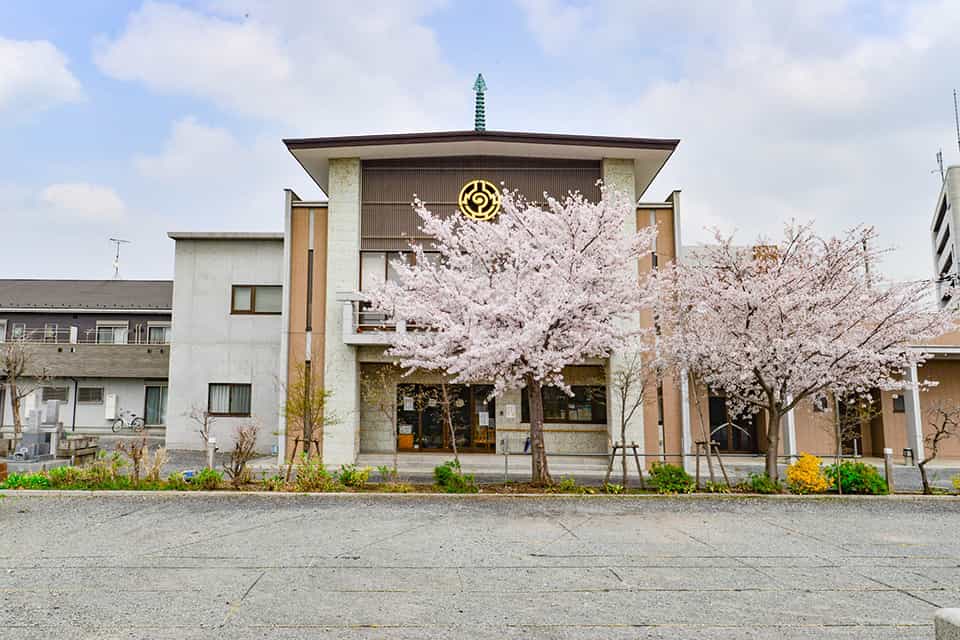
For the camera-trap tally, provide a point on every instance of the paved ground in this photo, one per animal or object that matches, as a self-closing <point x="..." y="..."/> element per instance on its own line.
<point x="165" y="566"/>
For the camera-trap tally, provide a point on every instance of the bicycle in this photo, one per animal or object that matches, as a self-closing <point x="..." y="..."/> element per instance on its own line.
<point x="128" y="420"/>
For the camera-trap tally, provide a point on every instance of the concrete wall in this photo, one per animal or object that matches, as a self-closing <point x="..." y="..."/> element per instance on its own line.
<point x="212" y="346"/>
<point x="342" y="443"/>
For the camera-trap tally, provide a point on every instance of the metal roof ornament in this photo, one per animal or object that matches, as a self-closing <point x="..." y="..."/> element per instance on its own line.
<point x="480" y="115"/>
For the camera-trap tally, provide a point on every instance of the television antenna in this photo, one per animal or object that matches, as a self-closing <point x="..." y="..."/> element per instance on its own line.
<point x="116" y="257"/>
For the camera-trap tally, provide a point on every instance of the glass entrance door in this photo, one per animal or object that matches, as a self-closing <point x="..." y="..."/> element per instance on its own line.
<point x="731" y="433"/>
<point x="423" y="411"/>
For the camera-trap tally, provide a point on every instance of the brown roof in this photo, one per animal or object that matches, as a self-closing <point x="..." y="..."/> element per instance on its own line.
<point x="488" y="136"/>
<point x="133" y="295"/>
<point x="648" y="154"/>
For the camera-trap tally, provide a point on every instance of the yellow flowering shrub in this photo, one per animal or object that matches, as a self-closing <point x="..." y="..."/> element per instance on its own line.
<point x="806" y="475"/>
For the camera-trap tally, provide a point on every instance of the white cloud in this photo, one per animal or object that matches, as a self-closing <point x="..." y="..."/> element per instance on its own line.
<point x="193" y="149"/>
<point x="83" y="202"/>
<point x="33" y="76"/>
<point x="784" y="109"/>
<point x="319" y="66"/>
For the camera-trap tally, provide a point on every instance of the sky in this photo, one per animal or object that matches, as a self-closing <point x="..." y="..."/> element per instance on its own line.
<point x="130" y="119"/>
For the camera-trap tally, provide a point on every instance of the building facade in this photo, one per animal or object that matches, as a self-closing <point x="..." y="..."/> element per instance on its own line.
<point x="99" y="347"/>
<point x="236" y="361"/>
<point x="227" y="308"/>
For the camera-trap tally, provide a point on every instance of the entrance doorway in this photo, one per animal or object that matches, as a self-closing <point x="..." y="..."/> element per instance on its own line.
<point x="422" y="411"/>
<point x="732" y="433"/>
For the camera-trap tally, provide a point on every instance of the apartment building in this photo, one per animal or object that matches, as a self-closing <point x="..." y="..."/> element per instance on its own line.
<point x="944" y="241"/>
<point x="101" y="348"/>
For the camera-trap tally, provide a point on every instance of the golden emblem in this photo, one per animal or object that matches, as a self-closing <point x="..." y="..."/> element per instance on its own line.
<point x="479" y="199"/>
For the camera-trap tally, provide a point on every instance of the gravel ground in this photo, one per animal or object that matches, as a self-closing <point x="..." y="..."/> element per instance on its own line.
<point x="239" y="566"/>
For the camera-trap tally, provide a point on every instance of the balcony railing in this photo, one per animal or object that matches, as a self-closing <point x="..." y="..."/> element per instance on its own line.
<point x="72" y="335"/>
<point x="361" y="325"/>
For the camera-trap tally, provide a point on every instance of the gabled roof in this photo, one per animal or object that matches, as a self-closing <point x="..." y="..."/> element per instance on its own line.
<point x="89" y="295"/>
<point x="648" y="154"/>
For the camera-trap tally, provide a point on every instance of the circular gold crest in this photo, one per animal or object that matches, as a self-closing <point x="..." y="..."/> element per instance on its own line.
<point x="479" y="199"/>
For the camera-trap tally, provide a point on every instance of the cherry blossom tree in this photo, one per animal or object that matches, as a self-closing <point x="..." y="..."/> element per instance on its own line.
<point x="774" y="324"/>
<point x="513" y="300"/>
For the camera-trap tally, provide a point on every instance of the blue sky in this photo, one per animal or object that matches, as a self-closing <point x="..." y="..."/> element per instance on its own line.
<point x="132" y="119"/>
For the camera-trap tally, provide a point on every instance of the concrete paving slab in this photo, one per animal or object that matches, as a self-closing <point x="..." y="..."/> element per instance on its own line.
<point x="385" y="567"/>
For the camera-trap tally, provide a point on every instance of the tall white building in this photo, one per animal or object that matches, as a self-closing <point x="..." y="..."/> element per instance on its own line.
<point x="943" y="235"/>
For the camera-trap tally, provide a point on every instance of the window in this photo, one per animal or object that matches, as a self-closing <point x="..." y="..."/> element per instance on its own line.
<point x="820" y="402"/>
<point x="899" y="404"/>
<point x="19" y="331"/>
<point x="49" y="332"/>
<point x="115" y="333"/>
<point x="54" y="393"/>
<point x="155" y="404"/>
<point x="90" y="395"/>
<point x="3" y="330"/>
<point x="587" y="405"/>
<point x="261" y="298"/>
<point x="229" y="399"/>
<point x="158" y="334"/>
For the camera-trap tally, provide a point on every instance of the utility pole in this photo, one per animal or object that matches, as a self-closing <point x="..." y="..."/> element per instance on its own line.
<point x="116" y="257"/>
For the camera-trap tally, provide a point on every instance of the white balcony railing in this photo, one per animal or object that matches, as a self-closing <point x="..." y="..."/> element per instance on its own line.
<point x="364" y="326"/>
<point x="72" y="335"/>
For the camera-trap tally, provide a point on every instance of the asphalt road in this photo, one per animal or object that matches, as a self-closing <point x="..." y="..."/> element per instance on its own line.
<point x="165" y="566"/>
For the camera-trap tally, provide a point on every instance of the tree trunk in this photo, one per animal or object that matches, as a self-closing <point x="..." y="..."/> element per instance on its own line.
<point x="623" y="442"/>
<point x="17" y="419"/>
<point x="448" y="418"/>
<point x="923" y="476"/>
<point x="773" y="442"/>
<point x="538" y="454"/>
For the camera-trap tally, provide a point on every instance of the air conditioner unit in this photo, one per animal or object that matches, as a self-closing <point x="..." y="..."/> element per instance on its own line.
<point x="110" y="407"/>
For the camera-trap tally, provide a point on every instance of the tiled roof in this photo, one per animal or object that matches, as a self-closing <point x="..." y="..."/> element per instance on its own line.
<point x="86" y="294"/>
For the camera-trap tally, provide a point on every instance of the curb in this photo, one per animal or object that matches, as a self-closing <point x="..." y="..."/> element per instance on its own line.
<point x="91" y="493"/>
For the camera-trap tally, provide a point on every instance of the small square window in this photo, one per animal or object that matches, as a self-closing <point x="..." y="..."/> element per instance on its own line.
<point x="54" y="393"/>
<point x="820" y="403"/>
<point x="899" y="404"/>
<point x="229" y="399"/>
<point x="90" y="395"/>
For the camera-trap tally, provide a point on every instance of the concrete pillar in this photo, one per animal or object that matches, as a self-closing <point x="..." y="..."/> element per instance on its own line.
<point x="341" y="441"/>
<point x="686" y="433"/>
<point x="911" y="401"/>
<point x="789" y="435"/>
<point x="619" y="174"/>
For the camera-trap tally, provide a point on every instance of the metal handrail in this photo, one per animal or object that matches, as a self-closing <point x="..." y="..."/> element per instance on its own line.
<point x="62" y="335"/>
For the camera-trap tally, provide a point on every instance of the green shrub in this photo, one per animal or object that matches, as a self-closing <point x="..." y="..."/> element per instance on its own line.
<point x="956" y="482"/>
<point x="450" y="478"/>
<point x="671" y="478"/>
<point x="352" y="476"/>
<point x="207" y="480"/>
<point x="857" y="477"/>
<point x="26" y="481"/>
<point x="176" y="482"/>
<point x="610" y="487"/>
<point x="273" y="483"/>
<point x="312" y="475"/>
<point x="387" y="473"/>
<point x="66" y="478"/>
<point x="760" y="483"/>
<point x="566" y="485"/>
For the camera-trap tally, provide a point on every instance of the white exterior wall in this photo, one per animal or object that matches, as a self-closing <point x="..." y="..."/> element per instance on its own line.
<point x="619" y="174"/>
<point x="341" y="442"/>
<point x="210" y="345"/>
<point x="130" y="392"/>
